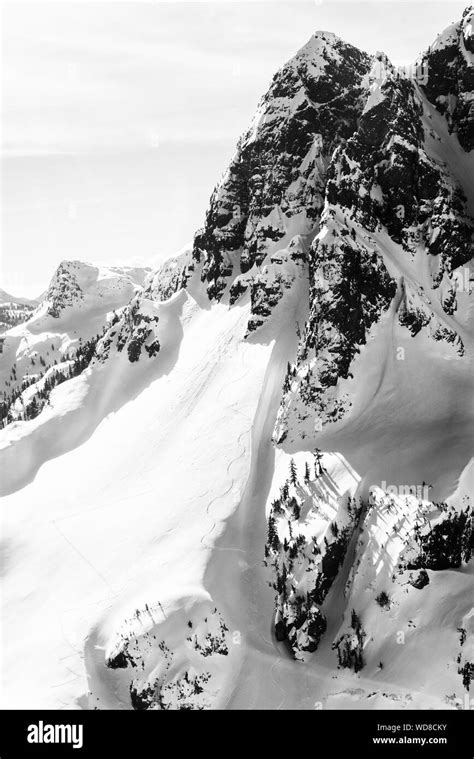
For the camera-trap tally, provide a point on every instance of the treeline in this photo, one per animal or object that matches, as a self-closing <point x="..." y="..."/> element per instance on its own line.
<point x="448" y="544"/>
<point x="77" y="362"/>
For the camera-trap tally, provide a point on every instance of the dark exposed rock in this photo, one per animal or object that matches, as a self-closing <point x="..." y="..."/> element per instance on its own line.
<point x="451" y="78"/>
<point x="381" y="180"/>
<point x="278" y="169"/>
<point x="64" y="289"/>
<point x="120" y="661"/>
<point x="421" y="580"/>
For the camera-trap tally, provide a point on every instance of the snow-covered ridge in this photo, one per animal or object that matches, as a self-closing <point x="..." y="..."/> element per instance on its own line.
<point x="19" y="301"/>
<point x="83" y="285"/>
<point x="58" y="338"/>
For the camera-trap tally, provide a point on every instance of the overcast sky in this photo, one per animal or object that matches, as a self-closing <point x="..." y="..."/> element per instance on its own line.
<point x="118" y="118"/>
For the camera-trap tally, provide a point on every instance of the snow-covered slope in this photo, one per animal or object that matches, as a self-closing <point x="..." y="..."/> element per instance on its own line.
<point x="135" y="524"/>
<point x="243" y="480"/>
<point x="58" y="338"/>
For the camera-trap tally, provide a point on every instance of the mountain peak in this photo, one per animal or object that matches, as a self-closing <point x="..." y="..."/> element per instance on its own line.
<point x="78" y="283"/>
<point x="323" y="38"/>
<point x="323" y="47"/>
<point x="467" y="29"/>
<point x="458" y="33"/>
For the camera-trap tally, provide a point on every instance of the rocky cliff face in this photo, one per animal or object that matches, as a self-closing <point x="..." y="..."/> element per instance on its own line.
<point x="136" y="328"/>
<point x="386" y="196"/>
<point x="449" y="64"/>
<point x="334" y="168"/>
<point x="274" y="186"/>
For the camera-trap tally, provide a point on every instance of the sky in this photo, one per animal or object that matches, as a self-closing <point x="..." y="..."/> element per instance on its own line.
<point x="118" y="118"/>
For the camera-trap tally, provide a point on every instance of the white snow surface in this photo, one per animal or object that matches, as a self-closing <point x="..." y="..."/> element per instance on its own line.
<point x="147" y="515"/>
<point x="129" y="516"/>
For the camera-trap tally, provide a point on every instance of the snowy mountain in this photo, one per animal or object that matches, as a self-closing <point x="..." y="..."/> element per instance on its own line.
<point x="58" y="338"/>
<point x="14" y="310"/>
<point x="244" y="480"/>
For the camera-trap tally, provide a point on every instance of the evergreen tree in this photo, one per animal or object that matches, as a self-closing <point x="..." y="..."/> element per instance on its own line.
<point x="32" y="410"/>
<point x="355" y="621"/>
<point x="272" y="533"/>
<point x="318" y="467"/>
<point x="293" y="473"/>
<point x="383" y="600"/>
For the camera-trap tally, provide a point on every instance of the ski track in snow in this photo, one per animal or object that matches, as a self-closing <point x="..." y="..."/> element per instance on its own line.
<point x="247" y="527"/>
<point x="236" y="409"/>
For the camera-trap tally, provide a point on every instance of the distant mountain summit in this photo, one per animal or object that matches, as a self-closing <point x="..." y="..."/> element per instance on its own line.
<point x="14" y="310"/>
<point x="55" y="338"/>
<point x="80" y="284"/>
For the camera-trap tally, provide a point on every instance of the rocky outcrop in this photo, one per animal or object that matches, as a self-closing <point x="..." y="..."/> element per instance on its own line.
<point x="274" y="186"/>
<point x="449" y="63"/>
<point x="155" y="673"/>
<point x="307" y="540"/>
<point x="64" y="289"/>
<point x="350" y="646"/>
<point x="384" y="192"/>
<point x="404" y="541"/>
<point x="135" y="329"/>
